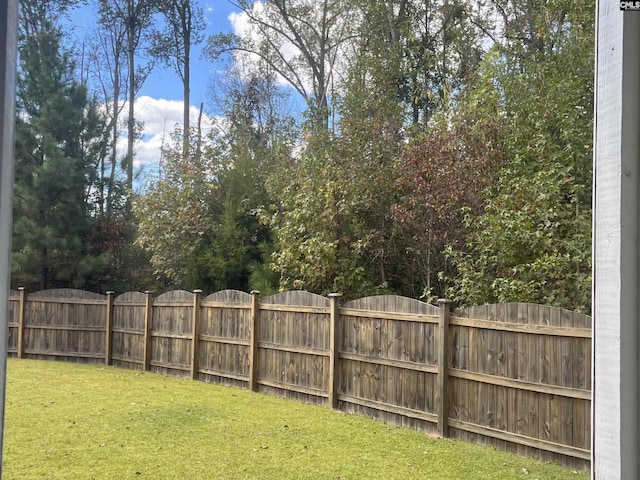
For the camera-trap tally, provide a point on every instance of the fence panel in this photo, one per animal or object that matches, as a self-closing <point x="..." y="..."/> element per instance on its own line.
<point x="293" y="346"/>
<point x="128" y="330"/>
<point x="521" y="380"/>
<point x="388" y="360"/>
<point x="224" y="338"/>
<point x="65" y="324"/>
<point x="171" y="333"/>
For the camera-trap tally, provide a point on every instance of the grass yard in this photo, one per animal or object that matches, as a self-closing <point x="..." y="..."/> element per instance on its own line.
<point x="74" y="421"/>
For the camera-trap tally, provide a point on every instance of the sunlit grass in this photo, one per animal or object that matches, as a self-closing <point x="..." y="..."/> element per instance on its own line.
<point x="73" y="421"/>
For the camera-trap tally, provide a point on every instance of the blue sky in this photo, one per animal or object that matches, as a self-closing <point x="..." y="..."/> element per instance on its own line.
<point x="159" y="102"/>
<point x="164" y="83"/>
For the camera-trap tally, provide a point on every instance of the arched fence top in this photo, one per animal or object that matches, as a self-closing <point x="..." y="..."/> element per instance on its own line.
<point x="526" y="313"/>
<point x="130" y="297"/>
<point x="67" y="293"/>
<point x="175" y="296"/>
<point x="520" y="313"/>
<point x="228" y="296"/>
<point x="392" y="303"/>
<point x="297" y="297"/>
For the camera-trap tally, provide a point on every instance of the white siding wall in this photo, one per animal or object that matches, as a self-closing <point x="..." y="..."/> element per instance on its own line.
<point x="8" y="33"/>
<point x="616" y="449"/>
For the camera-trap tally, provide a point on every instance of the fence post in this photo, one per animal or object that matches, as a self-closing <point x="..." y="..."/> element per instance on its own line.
<point x="21" y="314"/>
<point x="253" y="340"/>
<point x="443" y="367"/>
<point x="148" y="317"/>
<point x="334" y="349"/>
<point x="108" y="339"/>
<point x="195" y="345"/>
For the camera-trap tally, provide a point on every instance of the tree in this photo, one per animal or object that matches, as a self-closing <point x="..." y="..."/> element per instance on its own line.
<point x="198" y="217"/>
<point x="184" y="24"/>
<point x="334" y="222"/>
<point x="371" y="138"/>
<point x="301" y="40"/>
<point x="137" y="18"/>
<point x="440" y="182"/>
<point x="429" y="49"/>
<point x="313" y="226"/>
<point x="108" y="67"/>
<point x="533" y="241"/>
<point x="35" y="14"/>
<point x="174" y="214"/>
<point x="60" y="139"/>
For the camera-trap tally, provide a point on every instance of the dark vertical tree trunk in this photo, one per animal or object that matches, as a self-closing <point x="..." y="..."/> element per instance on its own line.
<point x="131" y="26"/>
<point x="114" y="138"/>
<point x="186" y="85"/>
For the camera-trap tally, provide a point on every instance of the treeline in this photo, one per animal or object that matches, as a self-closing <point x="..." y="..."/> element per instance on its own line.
<point x="445" y="150"/>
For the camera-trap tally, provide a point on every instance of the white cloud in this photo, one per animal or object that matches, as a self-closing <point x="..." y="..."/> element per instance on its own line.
<point x="240" y="21"/>
<point x="160" y="117"/>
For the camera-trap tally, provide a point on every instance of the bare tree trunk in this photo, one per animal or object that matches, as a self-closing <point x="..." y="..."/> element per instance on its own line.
<point x="132" y="98"/>
<point x="199" y="144"/>
<point x="186" y="85"/>
<point x="114" y="127"/>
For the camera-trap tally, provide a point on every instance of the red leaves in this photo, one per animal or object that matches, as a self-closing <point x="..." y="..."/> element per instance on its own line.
<point x="441" y="174"/>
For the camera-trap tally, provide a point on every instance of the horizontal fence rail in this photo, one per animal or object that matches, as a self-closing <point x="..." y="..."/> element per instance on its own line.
<point x="513" y="376"/>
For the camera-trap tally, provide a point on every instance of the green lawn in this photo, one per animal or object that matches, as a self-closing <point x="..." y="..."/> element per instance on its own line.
<point x="73" y="421"/>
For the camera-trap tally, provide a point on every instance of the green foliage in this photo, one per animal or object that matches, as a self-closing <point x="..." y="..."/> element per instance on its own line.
<point x="533" y="241"/>
<point x="198" y="217"/>
<point x="313" y="228"/>
<point x="337" y="211"/>
<point x="431" y="163"/>
<point x="60" y="139"/>
<point x="428" y="49"/>
<point x="441" y="175"/>
<point x="174" y="214"/>
<point x="371" y="137"/>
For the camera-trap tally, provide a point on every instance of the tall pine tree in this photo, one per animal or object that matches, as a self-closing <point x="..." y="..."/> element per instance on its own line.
<point x="59" y="137"/>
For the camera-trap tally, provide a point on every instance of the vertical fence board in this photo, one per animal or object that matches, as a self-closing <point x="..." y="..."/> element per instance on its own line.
<point x="253" y="346"/>
<point x="334" y="350"/>
<point x="376" y="347"/>
<point x="172" y="333"/>
<point x="64" y="324"/>
<point x="224" y="338"/>
<point x="148" y="326"/>
<point x="13" y="323"/>
<point x="21" y="320"/>
<point x="294" y="346"/>
<point x="443" y="369"/>
<point x="108" y="342"/>
<point x="542" y="359"/>
<point x="195" y="334"/>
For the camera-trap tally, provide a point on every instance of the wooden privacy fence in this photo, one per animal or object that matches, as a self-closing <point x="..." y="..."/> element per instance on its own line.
<point x="514" y="376"/>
